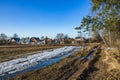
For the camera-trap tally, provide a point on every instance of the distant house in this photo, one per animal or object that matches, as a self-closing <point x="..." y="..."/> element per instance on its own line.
<point x="57" y="41"/>
<point x="25" y="41"/>
<point x="32" y="40"/>
<point x="62" y="41"/>
<point x="14" y="41"/>
<point x="35" y="40"/>
<point x="54" y="41"/>
<point x="78" y="40"/>
<point x="17" y="40"/>
<point x="42" y="42"/>
<point x="22" y="41"/>
<point x="48" y="41"/>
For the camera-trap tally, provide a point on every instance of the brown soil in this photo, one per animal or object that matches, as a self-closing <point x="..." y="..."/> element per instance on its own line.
<point x="102" y="66"/>
<point x="67" y="69"/>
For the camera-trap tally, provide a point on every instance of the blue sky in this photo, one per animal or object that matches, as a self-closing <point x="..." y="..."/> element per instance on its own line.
<point x="42" y="17"/>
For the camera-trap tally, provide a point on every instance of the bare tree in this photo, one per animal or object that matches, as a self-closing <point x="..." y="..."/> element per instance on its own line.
<point x="15" y="36"/>
<point x="60" y="36"/>
<point x="3" y="36"/>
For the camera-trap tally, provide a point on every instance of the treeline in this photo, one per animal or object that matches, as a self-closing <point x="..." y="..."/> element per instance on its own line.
<point x="104" y="21"/>
<point x="60" y="38"/>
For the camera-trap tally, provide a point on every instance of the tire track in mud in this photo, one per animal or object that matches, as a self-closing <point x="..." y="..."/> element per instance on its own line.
<point x="71" y="68"/>
<point x="86" y="65"/>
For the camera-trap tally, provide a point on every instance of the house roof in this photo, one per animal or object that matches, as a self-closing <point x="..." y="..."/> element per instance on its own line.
<point x="16" y="39"/>
<point x="36" y="38"/>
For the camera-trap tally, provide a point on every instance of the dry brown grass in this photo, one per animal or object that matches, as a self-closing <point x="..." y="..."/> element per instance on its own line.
<point x="111" y="60"/>
<point x="16" y="51"/>
<point x="108" y="65"/>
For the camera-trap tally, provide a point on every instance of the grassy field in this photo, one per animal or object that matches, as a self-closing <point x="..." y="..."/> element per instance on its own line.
<point x="15" y="51"/>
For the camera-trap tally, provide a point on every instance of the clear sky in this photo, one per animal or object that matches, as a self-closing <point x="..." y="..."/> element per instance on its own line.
<point x="42" y="17"/>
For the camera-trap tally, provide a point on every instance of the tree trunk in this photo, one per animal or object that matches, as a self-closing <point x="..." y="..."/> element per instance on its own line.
<point x="110" y="41"/>
<point x="103" y="39"/>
